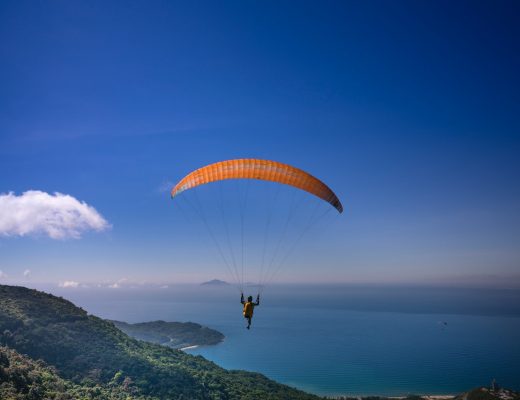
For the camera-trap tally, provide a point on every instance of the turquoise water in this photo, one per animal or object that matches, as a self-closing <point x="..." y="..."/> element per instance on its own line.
<point x="345" y="340"/>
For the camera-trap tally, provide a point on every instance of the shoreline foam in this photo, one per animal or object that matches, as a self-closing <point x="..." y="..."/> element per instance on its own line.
<point x="189" y="347"/>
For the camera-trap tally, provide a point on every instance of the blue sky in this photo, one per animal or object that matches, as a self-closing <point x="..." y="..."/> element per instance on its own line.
<point x="408" y="110"/>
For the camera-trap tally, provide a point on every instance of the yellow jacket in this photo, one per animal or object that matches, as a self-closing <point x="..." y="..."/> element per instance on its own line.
<point x="248" y="309"/>
<point x="249" y="306"/>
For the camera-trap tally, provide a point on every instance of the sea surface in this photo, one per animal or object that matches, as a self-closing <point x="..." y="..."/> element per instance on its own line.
<point x="342" y="339"/>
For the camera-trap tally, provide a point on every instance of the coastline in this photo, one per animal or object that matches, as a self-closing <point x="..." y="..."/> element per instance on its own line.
<point x="428" y="397"/>
<point x="479" y="393"/>
<point x="423" y="397"/>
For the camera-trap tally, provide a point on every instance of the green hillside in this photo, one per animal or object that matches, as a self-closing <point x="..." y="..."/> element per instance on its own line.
<point x="22" y="378"/>
<point x="92" y="353"/>
<point x="173" y="334"/>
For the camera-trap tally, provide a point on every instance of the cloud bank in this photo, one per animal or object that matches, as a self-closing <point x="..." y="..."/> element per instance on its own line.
<point x="58" y="216"/>
<point x="69" y="284"/>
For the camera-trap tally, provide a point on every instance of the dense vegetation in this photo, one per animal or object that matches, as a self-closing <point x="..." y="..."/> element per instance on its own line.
<point x="24" y="378"/>
<point x="91" y="354"/>
<point x="172" y="334"/>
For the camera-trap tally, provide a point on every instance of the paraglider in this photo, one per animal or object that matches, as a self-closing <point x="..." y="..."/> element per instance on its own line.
<point x="249" y="307"/>
<point x="247" y="170"/>
<point x="266" y="170"/>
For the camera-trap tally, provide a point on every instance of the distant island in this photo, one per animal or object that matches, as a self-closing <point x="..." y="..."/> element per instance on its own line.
<point x="177" y="335"/>
<point x="215" y="282"/>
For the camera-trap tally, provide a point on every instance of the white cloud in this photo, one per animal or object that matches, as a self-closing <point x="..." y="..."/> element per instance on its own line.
<point x="3" y="275"/>
<point x="117" y="285"/>
<point x="59" y="216"/>
<point x="69" y="284"/>
<point x="27" y="273"/>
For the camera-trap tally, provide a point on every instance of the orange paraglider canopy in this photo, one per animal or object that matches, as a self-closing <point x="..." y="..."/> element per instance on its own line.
<point x="250" y="168"/>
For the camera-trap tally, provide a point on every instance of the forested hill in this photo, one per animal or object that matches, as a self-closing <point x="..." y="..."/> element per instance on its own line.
<point x="86" y="353"/>
<point x="22" y="378"/>
<point x="172" y="334"/>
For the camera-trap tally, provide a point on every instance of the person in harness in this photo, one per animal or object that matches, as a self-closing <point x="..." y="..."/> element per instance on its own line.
<point x="249" y="307"/>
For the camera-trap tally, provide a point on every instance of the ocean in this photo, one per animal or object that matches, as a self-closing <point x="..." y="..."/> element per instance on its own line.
<point x="342" y="339"/>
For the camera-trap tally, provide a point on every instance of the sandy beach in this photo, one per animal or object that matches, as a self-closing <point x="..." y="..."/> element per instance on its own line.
<point x="189" y="347"/>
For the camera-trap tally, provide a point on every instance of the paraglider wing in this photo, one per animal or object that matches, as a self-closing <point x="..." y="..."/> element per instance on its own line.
<point x="266" y="170"/>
